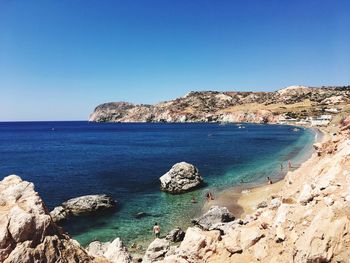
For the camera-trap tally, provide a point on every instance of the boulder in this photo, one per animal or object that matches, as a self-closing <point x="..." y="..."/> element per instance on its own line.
<point x="182" y="177"/>
<point x="328" y="200"/>
<point x="27" y="232"/>
<point x="97" y="248"/>
<point x="175" y="235"/>
<point x="59" y="214"/>
<point x="198" y="245"/>
<point x="305" y="195"/>
<point x="214" y="216"/>
<point x="280" y="235"/>
<point x="140" y="215"/>
<point x="156" y="250"/>
<point x="260" y="250"/>
<point x="224" y="228"/>
<point x="281" y="214"/>
<point x="250" y="236"/>
<point x="83" y="205"/>
<point x="114" y="251"/>
<point x="262" y="204"/>
<point x="232" y="241"/>
<point x="275" y="203"/>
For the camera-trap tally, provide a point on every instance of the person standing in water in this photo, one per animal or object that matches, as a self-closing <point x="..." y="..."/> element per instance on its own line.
<point x="193" y="200"/>
<point x="289" y="164"/>
<point x="156" y="230"/>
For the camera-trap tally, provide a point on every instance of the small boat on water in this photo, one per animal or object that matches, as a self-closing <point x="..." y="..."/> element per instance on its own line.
<point x="295" y="129"/>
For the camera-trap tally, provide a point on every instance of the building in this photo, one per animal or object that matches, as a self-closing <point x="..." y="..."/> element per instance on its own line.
<point x="322" y="120"/>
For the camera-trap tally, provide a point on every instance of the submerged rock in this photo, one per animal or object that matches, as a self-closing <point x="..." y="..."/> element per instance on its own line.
<point x="180" y="178"/>
<point x="83" y="205"/>
<point x="140" y="215"/>
<point x="214" y="216"/>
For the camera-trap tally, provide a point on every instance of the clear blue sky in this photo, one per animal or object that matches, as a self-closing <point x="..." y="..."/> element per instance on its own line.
<point x="59" y="59"/>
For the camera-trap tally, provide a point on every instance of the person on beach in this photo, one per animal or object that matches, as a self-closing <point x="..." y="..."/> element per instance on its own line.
<point x="156" y="230"/>
<point x="269" y="180"/>
<point x="289" y="164"/>
<point x="209" y="196"/>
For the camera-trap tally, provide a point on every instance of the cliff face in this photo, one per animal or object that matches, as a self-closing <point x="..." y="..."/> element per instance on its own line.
<point x="212" y="106"/>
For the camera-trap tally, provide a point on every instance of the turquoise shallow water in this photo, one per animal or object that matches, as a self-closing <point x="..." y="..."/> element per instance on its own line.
<point x="68" y="159"/>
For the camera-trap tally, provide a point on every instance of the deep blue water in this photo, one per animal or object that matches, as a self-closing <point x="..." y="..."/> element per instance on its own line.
<point x="68" y="159"/>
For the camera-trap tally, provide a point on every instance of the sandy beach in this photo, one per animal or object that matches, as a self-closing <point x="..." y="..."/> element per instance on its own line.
<point x="244" y="199"/>
<point x="292" y="222"/>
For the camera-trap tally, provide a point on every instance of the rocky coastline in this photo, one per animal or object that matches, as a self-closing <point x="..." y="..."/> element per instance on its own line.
<point x="294" y="102"/>
<point x="289" y="225"/>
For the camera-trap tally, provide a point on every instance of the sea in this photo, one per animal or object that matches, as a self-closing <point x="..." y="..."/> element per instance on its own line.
<point x="125" y="160"/>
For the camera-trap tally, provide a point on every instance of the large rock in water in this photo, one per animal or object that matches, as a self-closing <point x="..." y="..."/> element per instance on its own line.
<point x="214" y="216"/>
<point x="180" y="178"/>
<point x="27" y="232"/>
<point x="82" y="205"/>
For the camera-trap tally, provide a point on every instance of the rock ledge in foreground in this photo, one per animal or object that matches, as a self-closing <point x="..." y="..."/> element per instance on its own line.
<point x="27" y="232"/>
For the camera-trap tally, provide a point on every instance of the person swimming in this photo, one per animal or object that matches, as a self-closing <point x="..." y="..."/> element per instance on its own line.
<point x="193" y="200"/>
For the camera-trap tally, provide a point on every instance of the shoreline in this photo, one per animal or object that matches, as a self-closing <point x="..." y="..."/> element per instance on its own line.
<point x="243" y="200"/>
<point x="237" y="203"/>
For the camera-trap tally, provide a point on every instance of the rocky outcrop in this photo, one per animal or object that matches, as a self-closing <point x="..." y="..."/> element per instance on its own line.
<point x="175" y="235"/>
<point x="114" y="251"/>
<point x="213" y="106"/>
<point x="307" y="221"/>
<point x="197" y="246"/>
<point x="27" y="232"/>
<point x="214" y="216"/>
<point x="82" y="205"/>
<point x="156" y="251"/>
<point x="182" y="177"/>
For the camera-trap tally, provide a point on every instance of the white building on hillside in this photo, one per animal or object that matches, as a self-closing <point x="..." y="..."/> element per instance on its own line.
<point x="322" y="120"/>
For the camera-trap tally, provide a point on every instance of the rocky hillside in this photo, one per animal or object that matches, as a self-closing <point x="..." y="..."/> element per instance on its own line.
<point x="213" y="106"/>
<point x="307" y="221"/>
